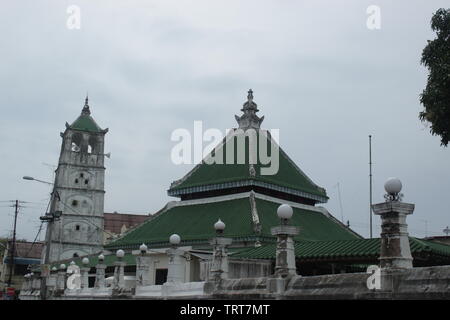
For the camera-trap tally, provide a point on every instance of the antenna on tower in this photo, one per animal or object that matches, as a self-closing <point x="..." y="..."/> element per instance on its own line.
<point x="340" y="201"/>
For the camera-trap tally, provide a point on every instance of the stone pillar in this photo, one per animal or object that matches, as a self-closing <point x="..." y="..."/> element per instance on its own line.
<point x="175" y="272"/>
<point x="51" y="280"/>
<point x="35" y="281"/>
<point x="84" y="273"/>
<point x="285" y="254"/>
<point x="395" y="252"/>
<point x="119" y="275"/>
<point x="26" y="284"/>
<point x="61" y="280"/>
<point x="219" y="266"/>
<point x="143" y="261"/>
<point x="100" y="275"/>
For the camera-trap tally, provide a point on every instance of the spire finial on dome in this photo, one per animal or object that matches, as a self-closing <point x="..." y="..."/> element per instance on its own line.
<point x="250" y="95"/>
<point x="86" y="110"/>
<point x="249" y="119"/>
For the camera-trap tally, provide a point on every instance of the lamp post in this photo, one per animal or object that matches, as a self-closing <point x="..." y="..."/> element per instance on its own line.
<point x="143" y="260"/>
<point x="119" y="272"/>
<point x="175" y="268"/>
<point x="285" y="254"/>
<point x="395" y="252"/>
<point x="100" y="272"/>
<point x="219" y="266"/>
<point x="49" y="218"/>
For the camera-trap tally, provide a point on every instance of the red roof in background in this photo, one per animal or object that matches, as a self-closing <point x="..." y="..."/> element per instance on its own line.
<point x="113" y="222"/>
<point x="26" y="249"/>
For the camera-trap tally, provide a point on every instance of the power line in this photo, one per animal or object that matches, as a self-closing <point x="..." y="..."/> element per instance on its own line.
<point x="39" y="231"/>
<point x="13" y="246"/>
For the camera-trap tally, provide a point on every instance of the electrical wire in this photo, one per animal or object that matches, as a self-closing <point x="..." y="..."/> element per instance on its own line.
<point x="40" y="228"/>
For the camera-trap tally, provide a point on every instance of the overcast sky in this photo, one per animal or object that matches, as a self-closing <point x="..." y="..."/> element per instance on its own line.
<point x="318" y="74"/>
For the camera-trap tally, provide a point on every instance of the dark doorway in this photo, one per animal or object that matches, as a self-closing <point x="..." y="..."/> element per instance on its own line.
<point x="160" y="276"/>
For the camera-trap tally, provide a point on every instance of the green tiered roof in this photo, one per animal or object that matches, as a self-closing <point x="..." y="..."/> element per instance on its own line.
<point x="343" y="249"/>
<point x="289" y="178"/>
<point x="194" y="223"/>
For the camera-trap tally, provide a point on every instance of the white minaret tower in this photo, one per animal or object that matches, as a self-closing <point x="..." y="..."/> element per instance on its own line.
<point x="79" y="183"/>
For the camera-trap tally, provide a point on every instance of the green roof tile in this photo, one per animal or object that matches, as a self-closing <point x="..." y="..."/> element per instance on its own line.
<point x="288" y="176"/>
<point x="194" y="223"/>
<point x="369" y="248"/>
<point x="85" y="123"/>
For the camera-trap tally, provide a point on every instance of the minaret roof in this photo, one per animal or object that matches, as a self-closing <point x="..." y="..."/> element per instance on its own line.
<point x="85" y="122"/>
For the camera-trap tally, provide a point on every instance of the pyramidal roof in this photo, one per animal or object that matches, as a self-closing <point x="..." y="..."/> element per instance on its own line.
<point x="85" y="122"/>
<point x="230" y="164"/>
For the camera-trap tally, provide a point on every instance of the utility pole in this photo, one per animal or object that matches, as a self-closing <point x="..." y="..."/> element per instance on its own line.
<point x="13" y="244"/>
<point x="49" y="217"/>
<point x="370" y="183"/>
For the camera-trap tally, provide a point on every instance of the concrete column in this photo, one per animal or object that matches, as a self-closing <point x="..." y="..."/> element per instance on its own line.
<point x="143" y="262"/>
<point x="395" y="252"/>
<point x="119" y="275"/>
<point x="61" y="280"/>
<point x="36" y="282"/>
<point x="51" y="281"/>
<point x="175" y="272"/>
<point x="285" y="254"/>
<point x="100" y="275"/>
<point x="26" y="284"/>
<point x="84" y="273"/>
<point x="219" y="265"/>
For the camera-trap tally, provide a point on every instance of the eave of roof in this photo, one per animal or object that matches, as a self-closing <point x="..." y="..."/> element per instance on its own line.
<point x="245" y="219"/>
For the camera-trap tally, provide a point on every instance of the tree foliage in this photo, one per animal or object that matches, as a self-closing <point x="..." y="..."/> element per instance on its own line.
<point x="436" y="96"/>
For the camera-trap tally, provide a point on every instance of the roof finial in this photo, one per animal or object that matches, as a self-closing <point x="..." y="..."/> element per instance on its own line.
<point x="86" y="110"/>
<point x="250" y="95"/>
<point x="249" y="119"/>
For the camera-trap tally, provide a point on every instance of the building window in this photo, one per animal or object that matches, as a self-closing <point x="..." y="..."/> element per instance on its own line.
<point x="86" y="181"/>
<point x="75" y="255"/>
<point x="77" y="227"/>
<point x="76" y="180"/>
<point x="74" y="203"/>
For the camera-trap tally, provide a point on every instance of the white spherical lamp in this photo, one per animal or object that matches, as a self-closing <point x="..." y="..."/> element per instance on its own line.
<point x="174" y="239"/>
<point x="285" y="212"/>
<point x="62" y="266"/>
<point x="120" y="253"/>
<point x="72" y="263"/>
<point x="393" y="186"/>
<point x="85" y="261"/>
<point x="54" y="269"/>
<point x="143" y="248"/>
<point x="101" y="257"/>
<point x="219" y="226"/>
